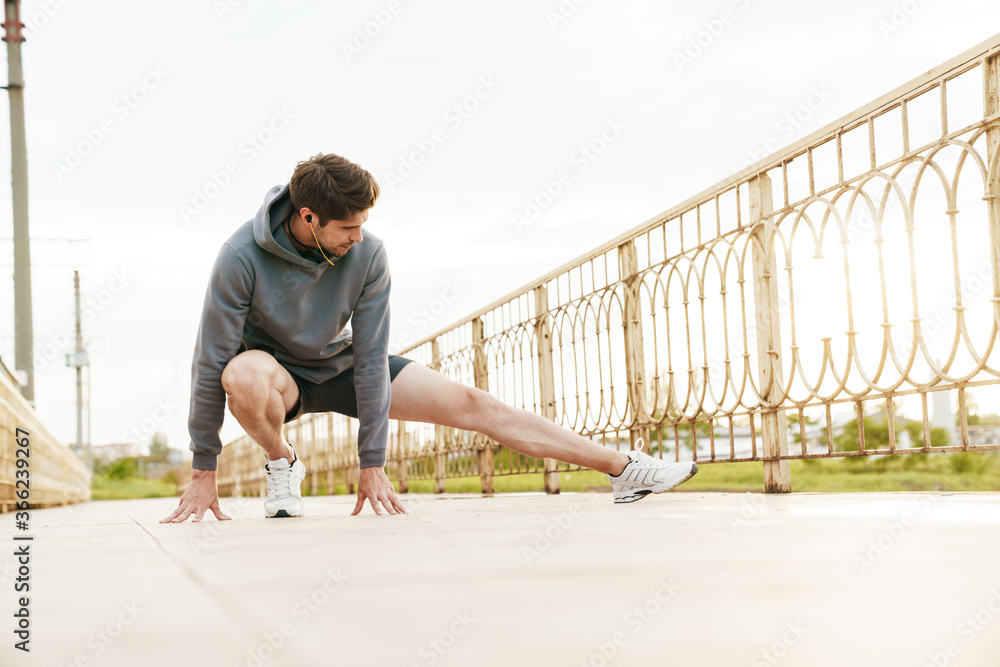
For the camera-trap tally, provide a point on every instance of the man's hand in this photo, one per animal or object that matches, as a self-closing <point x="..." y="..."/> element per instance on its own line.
<point x="376" y="487"/>
<point x="201" y="494"/>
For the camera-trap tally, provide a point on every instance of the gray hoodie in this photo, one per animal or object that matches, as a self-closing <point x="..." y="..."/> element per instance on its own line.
<point x="263" y="294"/>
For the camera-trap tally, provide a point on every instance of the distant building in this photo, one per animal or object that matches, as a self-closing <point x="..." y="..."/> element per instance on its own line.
<point x="175" y="458"/>
<point x="114" y="451"/>
<point x="985" y="434"/>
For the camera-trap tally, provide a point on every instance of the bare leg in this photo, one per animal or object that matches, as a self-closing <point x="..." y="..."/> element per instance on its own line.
<point x="422" y="395"/>
<point x="260" y="393"/>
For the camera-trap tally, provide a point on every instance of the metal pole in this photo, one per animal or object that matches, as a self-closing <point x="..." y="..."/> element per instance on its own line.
<point x="79" y="374"/>
<point x="90" y="459"/>
<point x="23" y="331"/>
<point x="440" y="432"/>
<point x="546" y="378"/>
<point x="635" y="361"/>
<point x="79" y="369"/>
<point x="774" y="424"/>
<point x="992" y="107"/>
<point x="482" y="377"/>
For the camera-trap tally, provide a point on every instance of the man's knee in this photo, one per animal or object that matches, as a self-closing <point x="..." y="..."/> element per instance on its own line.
<point x="248" y="376"/>
<point x="480" y="409"/>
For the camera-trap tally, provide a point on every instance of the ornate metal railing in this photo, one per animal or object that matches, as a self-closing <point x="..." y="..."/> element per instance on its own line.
<point x="55" y="475"/>
<point x="835" y="287"/>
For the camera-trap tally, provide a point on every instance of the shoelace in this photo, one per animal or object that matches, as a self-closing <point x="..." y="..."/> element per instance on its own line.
<point x="279" y="480"/>
<point x="643" y="459"/>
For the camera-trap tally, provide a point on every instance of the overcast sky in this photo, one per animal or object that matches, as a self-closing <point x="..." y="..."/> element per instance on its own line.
<point x="154" y="130"/>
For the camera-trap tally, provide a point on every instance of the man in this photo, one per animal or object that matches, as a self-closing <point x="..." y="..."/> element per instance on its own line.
<point x="274" y="341"/>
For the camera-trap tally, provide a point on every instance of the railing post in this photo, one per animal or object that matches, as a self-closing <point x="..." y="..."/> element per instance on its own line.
<point x="353" y="470"/>
<point x="402" y="460"/>
<point x="546" y="378"/>
<point x="992" y="108"/>
<point x="313" y="459"/>
<point x="350" y="477"/>
<point x="774" y="427"/>
<point x="635" y="362"/>
<point x="440" y="458"/>
<point x="330" y="454"/>
<point x="482" y="378"/>
<point x="261" y="477"/>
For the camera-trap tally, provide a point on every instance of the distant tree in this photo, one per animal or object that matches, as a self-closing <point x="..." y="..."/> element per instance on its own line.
<point x="980" y="420"/>
<point x="159" y="452"/>
<point x="939" y="436"/>
<point x="877" y="434"/>
<point x="100" y="467"/>
<point x="666" y="434"/>
<point x="973" y="416"/>
<point x="793" y="426"/>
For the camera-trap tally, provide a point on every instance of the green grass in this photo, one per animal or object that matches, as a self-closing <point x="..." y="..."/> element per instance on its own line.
<point x="972" y="471"/>
<point x="960" y="471"/>
<point x="103" y="488"/>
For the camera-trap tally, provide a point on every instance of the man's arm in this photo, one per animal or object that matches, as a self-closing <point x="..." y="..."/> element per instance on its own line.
<point x="227" y="302"/>
<point x="370" y="321"/>
<point x="370" y="324"/>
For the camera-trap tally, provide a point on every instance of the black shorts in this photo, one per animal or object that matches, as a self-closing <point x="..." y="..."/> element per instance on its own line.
<point x="336" y="394"/>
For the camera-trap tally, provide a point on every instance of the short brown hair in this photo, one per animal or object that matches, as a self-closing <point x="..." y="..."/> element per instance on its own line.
<point x="332" y="187"/>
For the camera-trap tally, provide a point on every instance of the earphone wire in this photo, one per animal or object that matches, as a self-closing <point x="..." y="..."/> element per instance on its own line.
<point x="318" y="245"/>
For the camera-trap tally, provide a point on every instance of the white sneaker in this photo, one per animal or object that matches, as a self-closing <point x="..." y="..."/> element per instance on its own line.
<point x="284" y="487"/>
<point x="644" y="475"/>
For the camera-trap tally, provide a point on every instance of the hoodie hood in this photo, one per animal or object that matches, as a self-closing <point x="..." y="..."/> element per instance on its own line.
<point x="276" y="208"/>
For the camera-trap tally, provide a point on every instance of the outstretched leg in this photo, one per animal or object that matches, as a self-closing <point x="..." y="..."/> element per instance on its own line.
<point x="422" y="395"/>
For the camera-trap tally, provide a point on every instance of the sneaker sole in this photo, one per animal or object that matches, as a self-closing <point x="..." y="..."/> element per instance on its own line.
<point x="639" y="495"/>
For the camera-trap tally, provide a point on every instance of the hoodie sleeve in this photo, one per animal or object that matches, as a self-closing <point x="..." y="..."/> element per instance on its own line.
<point x="371" y="362"/>
<point x="227" y="302"/>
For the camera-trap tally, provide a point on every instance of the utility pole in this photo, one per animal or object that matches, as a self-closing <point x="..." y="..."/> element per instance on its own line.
<point x="24" y="352"/>
<point x="79" y="360"/>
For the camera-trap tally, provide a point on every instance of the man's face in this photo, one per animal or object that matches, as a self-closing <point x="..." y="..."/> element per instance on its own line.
<point x="336" y="237"/>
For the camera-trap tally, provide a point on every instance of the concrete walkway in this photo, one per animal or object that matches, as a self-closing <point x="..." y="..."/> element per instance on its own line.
<point x="680" y="579"/>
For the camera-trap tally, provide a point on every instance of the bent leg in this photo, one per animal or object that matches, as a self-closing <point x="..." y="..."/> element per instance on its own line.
<point x="260" y="393"/>
<point x="423" y="395"/>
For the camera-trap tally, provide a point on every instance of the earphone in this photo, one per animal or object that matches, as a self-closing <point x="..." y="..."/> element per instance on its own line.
<point x="309" y="219"/>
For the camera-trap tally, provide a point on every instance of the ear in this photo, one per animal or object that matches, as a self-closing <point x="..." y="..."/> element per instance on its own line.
<point x="307" y="215"/>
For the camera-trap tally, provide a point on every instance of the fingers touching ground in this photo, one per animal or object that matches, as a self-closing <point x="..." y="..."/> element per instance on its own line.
<point x="388" y="500"/>
<point x="219" y="514"/>
<point x="187" y="509"/>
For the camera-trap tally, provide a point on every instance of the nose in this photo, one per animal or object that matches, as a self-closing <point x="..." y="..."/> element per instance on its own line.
<point x="356" y="236"/>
